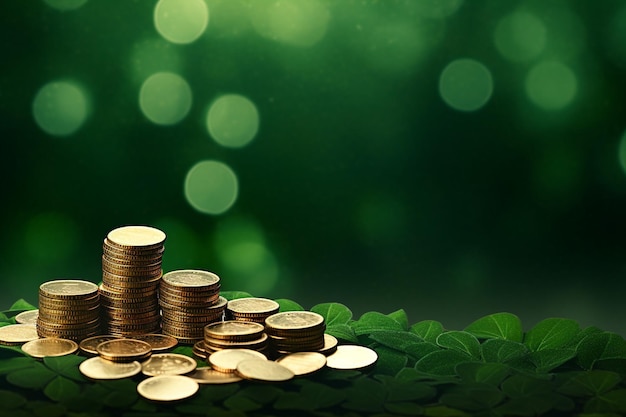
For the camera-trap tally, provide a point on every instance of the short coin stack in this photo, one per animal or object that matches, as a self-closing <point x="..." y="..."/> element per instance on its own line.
<point x="251" y="309"/>
<point x="190" y="300"/>
<point x="295" y="331"/>
<point x="68" y="309"/>
<point x="234" y="334"/>
<point x="131" y="271"/>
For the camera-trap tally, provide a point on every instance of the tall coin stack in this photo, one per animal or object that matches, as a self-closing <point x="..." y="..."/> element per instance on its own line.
<point x="190" y="300"/>
<point x="131" y="271"/>
<point x="251" y="309"/>
<point x="295" y="331"/>
<point x="68" y="309"/>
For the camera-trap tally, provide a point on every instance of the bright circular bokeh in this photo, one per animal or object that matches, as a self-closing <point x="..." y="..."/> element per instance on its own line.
<point x="65" y="5"/>
<point x="232" y="120"/>
<point x="165" y="98"/>
<point x="551" y="85"/>
<point x="520" y="36"/>
<point x="60" y="108"/>
<point x="181" y="21"/>
<point x="465" y="85"/>
<point x="211" y="187"/>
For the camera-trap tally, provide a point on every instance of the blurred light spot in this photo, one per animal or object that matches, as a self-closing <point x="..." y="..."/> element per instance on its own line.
<point x="64" y="5"/>
<point x="551" y="85"/>
<point x="622" y="152"/>
<point x="60" y="108"/>
<point x="181" y="21"/>
<point x="154" y="55"/>
<point x="182" y="246"/>
<point x="228" y="17"/>
<point x="437" y="9"/>
<point x="520" y="36"/>
<point x="50" y="237"/>
<point x="165" y="98"/>
<point x="211" y="187"/>
<point x="465" y="85"/>
<point x="380" y="219"/>
<point x="299" y="23"/>
<point x="233" y="120"/>
<point x="616" y="38"/>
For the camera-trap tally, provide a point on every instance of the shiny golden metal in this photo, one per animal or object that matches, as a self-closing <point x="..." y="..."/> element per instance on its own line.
<point x="98" y="368"/>
<point x="260" y="370"/>
<point x="168" y="364"/>
<point x="352" y="357"/>
<point x="167" y="388"/>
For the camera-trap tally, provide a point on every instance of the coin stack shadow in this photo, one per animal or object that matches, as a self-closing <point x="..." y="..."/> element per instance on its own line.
<point x="68" y="314"/>
<point x="130" y="281"/>
<point x="190" y="300"/>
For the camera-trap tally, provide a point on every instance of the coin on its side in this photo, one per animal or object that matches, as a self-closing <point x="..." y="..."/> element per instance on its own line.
<point x="16" y="334"/>
<point x="159" y="342"/>
<point x="98" y="368"/>
<point x="27" y="317"/>
<point x="260" y="370"/>
<point x="303" y="363"/>
<point x="124" y="350"/>
<point x="89" y="345"/>
<point x="53" y="346"/>
<point x="167" y="387"/>
<point x="352" y="357"/>
<point x="206" y="375"/>
<point x="330" y="344"/>
<point x="168" y="364"/>
<point x="226" y="360"/>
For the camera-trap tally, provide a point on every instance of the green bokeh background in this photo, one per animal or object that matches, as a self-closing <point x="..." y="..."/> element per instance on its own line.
<point x="362" y="186"/>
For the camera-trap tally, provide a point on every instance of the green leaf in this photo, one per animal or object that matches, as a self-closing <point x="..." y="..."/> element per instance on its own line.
<point x="401" y="317"/>
<point x="444" y="411"/>
<point x="518" y="386"/>
<point x="599" y="346"/>
<point x="573" y="344"/>
<point x="427" y="330"/>
<point x="288" y="305"/>
<point x="400" y="390"/>
<point x="365" y="395"/>
<point x="333" y="313"/>
<point x="502" y="351"/>
<point x="232" y="295"/>
<point x="184" y="350"/>
<point x="4" y="318"/>
<point x="22" y="304"/>
<point x="120" y="399"/>
<point x="609" y="402"/>
<point x="442" y="362"/>
<point x="62" y="389"/>
<point x="36" y="376"/>
<point x="473" y="397"/>
<point x="460" y="341"/>
<point x="487" y="373"/>
<point x="419" y="350"/>
<point x="552" y="333"/>
<point x="343" y="332"/>
<point x="65" y="365"/>
<point x="590" y="383"/>
<point x="548" y="359"/>
<point x="616" y="365"/>
<point x="373" y="321"/>
<point x="312" y="396"/>
<point x="499" y="326"/>
<point x="262" y="394"/>
<point x="45" y="409"/>
<point x="405" y="409"/>
<point x="394" y="339"/>
<point x="241" y="403"/>
<point x="390" y="361"/>
<point x="8" y="352"/>
<point x="11" y="400"/>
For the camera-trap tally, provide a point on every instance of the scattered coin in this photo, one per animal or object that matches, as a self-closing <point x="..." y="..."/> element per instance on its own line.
<point x="330" y="344"/>
<point x="98" y="368"/>
<point x="303" y="363"/>
<point x="263" y="370"/>
<point x="206" y="375"/>
<point x="41" y="348"/>
<point x="17" y="334"/>
<point x="226" y="360"/>
<point x="90" y="344"/>
<point x="167" y="388"/>
<point x="27" y="317"/>
<point x="168" y="364"/>
<point x="159" y="342"/>
<point x="124" y="350"/>
<point x="352" y="357"/>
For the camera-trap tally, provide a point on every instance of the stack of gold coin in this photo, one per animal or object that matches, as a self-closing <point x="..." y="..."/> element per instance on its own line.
<point x="68" y="309"/>
<point x="295" y="331"/>
<point x="131" y="271"/>
<point x="190" y="300"/>
<point x="251" y="309"/>
<point x="234" y="334"/>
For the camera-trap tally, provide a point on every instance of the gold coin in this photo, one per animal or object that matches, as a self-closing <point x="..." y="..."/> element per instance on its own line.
<point x="191" y="278"/>
<point x="98" y="368"/>
<point x="352" y="357"/>
<point x="16" y="334"/>
<point x="136" y="236"/>
<point x="234" y="330"/>
<point x="256" y="344"/>
<point x="330" y="344"/>
<point x="227" y="360"/>
<point x="253" y="305"/>
<point x="206" y="375"/>
<point x="40" y="348"/>
<point x="27" y="317"/>
<point x="68" y="289"/>
<point x="123" y="350"/>
<point x="294" y="322"/>
<point x="159" y="342"/>
<point x="303" y="363"/>
<point x="89" y="345"/>
<point x="167" y="388"/>
<point x="263" y="370"/>
<point x="168" y="364"/>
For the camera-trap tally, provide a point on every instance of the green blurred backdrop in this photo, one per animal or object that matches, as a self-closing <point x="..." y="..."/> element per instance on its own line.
<point x="452" y="158"/>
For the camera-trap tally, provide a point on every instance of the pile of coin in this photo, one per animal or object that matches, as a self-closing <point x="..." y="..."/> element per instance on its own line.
<point x="295" y="331"/>
<point x="234" y="334"/>
<point x="131" y="271"/>
<point x="251" y="309"/>
<point x="68" y="309"/>
<point x="190" y="300"/>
